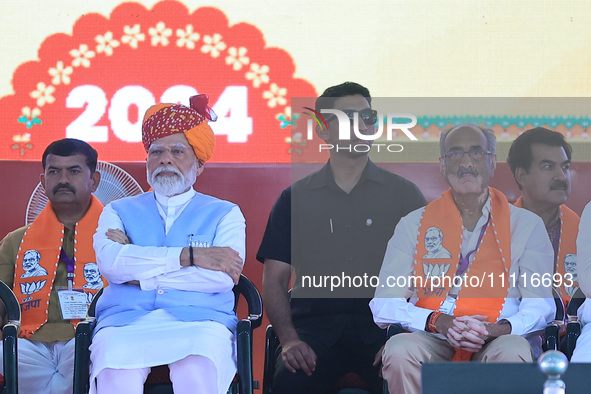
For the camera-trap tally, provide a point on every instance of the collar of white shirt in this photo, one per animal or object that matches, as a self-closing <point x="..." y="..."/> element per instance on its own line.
<point x="177" y="200"/>
<point x="171" y="207"/>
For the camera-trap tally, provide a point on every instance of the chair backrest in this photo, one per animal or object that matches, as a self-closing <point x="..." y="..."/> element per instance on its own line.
<point x="575" y="302"/>
<point x="13" y="309"/>
<point x="560" y="310"/>
<point x="92" y="307"/>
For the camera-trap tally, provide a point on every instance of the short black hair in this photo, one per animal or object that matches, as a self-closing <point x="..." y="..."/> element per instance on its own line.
<point x="333" y="93"/>
<point x="70" y="147"/>
<point x="520" y="154"/>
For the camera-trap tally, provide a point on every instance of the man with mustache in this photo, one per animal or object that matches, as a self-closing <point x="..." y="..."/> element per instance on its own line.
<point x="47" y="256"/>
<point x="540" y="160"/>
<point x="487" y="319"/>
<point x="172" y="257"/>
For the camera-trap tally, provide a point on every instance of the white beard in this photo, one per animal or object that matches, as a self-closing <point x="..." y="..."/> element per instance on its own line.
<point x="171" y="185"/>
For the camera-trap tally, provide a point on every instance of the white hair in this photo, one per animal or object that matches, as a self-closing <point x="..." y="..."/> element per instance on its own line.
<point x="171" y="185"/>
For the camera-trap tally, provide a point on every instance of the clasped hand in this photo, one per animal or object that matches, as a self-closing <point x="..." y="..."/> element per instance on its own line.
<point x="468" y="333"/>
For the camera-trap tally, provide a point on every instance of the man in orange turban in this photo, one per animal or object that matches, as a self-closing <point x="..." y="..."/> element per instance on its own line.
<point x="172" y="257"/>
<point x="162" y="120"/>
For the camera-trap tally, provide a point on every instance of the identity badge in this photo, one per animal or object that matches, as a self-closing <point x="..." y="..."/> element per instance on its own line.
<point x="448" y="305"/>
<point x="72" y="304"/>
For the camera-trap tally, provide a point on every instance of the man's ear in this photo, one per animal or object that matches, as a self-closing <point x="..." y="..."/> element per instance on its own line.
<point x="96" y="179"/>
<point x="200" y="167"/>
<point x="322" y="132"/>
<point x="42" y="179"/>
<point x="520" y="175"/>
<point x="493" y="165"/>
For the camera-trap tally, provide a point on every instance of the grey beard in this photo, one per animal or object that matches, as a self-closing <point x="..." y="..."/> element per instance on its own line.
<point x="171" y="185"/>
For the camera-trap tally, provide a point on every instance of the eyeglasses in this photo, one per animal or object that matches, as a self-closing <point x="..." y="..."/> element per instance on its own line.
<point x="455" y="156"/>
<point x="369" y="116"/>
<point x="156" y="152"/>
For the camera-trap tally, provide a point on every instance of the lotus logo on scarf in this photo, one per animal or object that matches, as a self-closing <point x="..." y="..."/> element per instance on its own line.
<point x="29" y="288"/>
<point x="433" y="270"/>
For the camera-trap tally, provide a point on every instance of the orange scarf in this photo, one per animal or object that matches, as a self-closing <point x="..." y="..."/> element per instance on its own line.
<point x="490" y="265"/>
<point x="567" y="245"/>
<point x="44" y="238"/>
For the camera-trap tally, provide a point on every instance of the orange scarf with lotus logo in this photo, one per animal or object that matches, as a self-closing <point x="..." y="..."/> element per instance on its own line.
<point x="567" y="249"/>
<point x="437" y="256"/>
<point x="38" y="257"/>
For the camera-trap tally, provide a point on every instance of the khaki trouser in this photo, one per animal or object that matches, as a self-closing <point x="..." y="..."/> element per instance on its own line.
<point x="405" y="353"/>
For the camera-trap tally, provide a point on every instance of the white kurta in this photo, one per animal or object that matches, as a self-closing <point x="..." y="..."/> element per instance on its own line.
<point x="527" y="308"/>
<point x="158" y="337"/>
<point x="582" y="353"/>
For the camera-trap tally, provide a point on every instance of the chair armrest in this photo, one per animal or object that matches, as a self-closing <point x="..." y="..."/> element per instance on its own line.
<point x="573" y="330"/>
<point x="271" y="345"/>
<point x="10" y="333"/>
<point x="244" y="343"/>
<point x="253" y="299"/>
<point x="244" y="332"/>
<point x="551" y="337"/>
<point x="575" y="302"/>
<point x="13" y="308"/>
<point x="84" y="332"/>
<point x="9" y="347"/>
<point x="393" y="329"/>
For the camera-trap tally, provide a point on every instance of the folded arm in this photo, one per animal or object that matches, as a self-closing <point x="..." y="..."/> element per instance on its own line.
<point x="217" y="268"/>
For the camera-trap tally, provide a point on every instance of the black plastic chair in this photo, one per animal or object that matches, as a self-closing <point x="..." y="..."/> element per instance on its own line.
<point x="554" y="330"/>
<point x="573" y="325"/>
<point x="10" y="335"/>
<point x="243" y="384"/>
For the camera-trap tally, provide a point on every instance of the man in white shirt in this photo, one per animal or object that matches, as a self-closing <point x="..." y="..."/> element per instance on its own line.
<point x="496" y="249"/>
<point x="582" y="353"/>
<point x="540" y="161"/>
<point x="171" y="257"/>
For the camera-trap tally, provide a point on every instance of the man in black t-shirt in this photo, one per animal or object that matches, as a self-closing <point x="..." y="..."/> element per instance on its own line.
<point x="331" y="228"/>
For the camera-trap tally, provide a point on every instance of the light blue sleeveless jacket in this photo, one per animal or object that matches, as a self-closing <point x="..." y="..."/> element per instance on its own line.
<point x="120" y="304"/>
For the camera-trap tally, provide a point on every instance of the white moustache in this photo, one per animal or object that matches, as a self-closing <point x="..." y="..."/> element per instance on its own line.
<point x="162" y="169"/>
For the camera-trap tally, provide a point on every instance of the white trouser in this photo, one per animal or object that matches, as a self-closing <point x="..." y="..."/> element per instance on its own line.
<point x="44" y="367"/>
<point x="582" y="353"/>
<point x="191" y="375"/>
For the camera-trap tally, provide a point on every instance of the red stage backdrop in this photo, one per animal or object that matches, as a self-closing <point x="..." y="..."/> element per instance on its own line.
<point x="96" y="84"/>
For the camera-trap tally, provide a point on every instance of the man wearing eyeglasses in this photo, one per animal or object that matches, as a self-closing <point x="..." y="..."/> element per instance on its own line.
<point x="172" y="257"/>
<point x="333" y="223"/>
<point x="487" y="302"/>
<point x="540" y="161"/>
